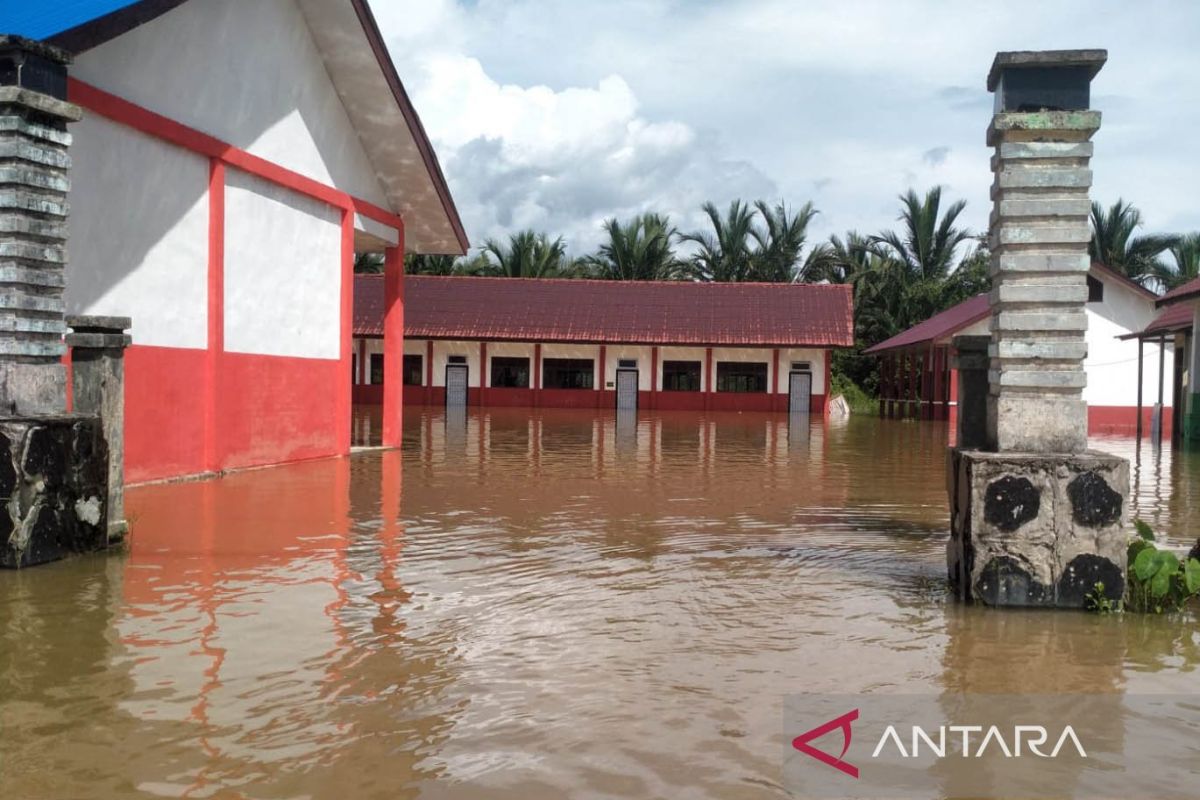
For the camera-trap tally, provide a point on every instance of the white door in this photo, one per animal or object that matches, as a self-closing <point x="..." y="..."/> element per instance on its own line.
<point x="800" y="392"/>
<point x="456" y="386"/>
<point x="627" y="389"/>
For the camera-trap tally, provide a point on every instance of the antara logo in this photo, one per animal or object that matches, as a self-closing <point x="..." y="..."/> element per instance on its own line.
<point x="1024" y="738"/>
<point x="801" y="743"/>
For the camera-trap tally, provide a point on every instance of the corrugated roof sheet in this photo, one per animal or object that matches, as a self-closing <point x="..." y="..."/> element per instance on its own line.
<point x="41" y="20"/>
<point x="634" y="312"/>
<point x="1171" y="319"/>
<point x="939" y="326"/>
<point x="1189" y="290"/>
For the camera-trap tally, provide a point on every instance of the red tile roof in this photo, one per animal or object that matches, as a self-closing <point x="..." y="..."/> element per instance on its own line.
<point x="939" y="326"/>
<point x="971" y="311"/>
<point x="1189" y="291"/>
<point x="1174" y="318"/>
<point x="631" y="312"/>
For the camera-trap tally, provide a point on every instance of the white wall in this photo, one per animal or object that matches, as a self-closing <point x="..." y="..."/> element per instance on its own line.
<point x="1111" y="362"/>
<point x="815" y="357"/>
<point x="442" y="350"/>
<point x="1194" y="360"/>
<point x="139" y="234"/>
<point x="614" y="353"/>
<point x="247" y="73"/>
<point x="282" y="271"/>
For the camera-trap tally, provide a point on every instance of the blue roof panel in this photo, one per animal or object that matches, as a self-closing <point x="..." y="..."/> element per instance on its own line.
<point x="41" y="20"/>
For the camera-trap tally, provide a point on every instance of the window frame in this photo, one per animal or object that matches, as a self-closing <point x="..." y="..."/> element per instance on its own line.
<point x="751" y="372"/>
<point x="407" y="367"/>
<point x="375" y="368"/>
<point x="666" y="375"/>
<point x="549" y="368"/>
<point x="505" y="362"/>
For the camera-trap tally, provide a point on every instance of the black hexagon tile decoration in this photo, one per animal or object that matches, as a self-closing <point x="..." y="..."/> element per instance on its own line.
<point x="1010" y="502"/>
<point x="1093" y="501"/>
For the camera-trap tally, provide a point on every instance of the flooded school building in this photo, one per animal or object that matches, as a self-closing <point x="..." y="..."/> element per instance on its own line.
<point x="229" y="161"/>
<point x="542" y="343"/>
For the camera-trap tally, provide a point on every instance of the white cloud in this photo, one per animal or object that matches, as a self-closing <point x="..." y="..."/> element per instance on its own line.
<point x="559" y="113"/>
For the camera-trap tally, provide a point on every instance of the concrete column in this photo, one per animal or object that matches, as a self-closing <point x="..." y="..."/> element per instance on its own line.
<point x="1039" y="239"/>
<point x="98" y="389"/>
<point x="33" y="227"/>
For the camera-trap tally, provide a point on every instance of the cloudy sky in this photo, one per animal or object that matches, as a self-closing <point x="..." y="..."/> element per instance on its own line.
<point x="556" y="114"/>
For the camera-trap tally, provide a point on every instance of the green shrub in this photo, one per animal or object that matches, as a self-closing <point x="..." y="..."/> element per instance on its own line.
<point x="1157" y="580"/>
<point x="858" y="400"/>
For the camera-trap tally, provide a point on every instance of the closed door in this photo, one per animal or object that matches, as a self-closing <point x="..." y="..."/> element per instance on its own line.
<point x="627" y="389"/>
<point x="456" y="386"/>
<point x="800" y="392"/>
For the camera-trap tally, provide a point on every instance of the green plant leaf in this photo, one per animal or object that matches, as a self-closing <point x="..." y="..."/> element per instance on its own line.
<point x="1145" y="565"/>
<point x="1191" y="576"/>
<point x="1160" y="584"/>
<point x="1143" y="530"/>
<point x="1136" y="546"/>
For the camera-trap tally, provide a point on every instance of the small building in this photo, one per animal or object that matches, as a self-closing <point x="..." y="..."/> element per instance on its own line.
<point x="592" y="344"/>
<point x="917" y="379"/>
<point x="1179" y="322"/>
<point x="232" y="158"/>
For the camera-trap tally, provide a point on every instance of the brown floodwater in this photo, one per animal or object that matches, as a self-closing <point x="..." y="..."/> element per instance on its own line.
<point x="519" y="605"/>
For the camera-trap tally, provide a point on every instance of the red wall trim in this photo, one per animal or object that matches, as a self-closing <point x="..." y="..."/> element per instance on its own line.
<point x="213" y="457"/>
<point x="345" y="386"/>
<point x="828" y="382"/>
<point x="429" y="364"/>
<point x="393" y="344"/>
<point x="142" y="119"/>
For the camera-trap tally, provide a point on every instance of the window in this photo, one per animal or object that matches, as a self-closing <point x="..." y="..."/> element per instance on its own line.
<point x="412" y="371"/>
<point x="681" y="376"/>
<point x="801" y="366"/>
<point x="456" y="359"/>
<point x="376" y="375"/>
<point x="567" y="373"/>
<point x="354" y="368"/>
<point x="741" y="376"/>
<point x="511" y="373"/>
<point x="1095" y="290"/>
<point x="627" y="363"/>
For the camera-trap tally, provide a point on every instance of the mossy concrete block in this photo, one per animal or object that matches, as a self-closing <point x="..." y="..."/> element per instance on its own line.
<point x="53" y="476"/>
<point x="1037" y="529"/>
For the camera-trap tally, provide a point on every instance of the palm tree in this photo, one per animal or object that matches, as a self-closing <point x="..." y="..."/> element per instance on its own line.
<point x="929" y="240"/>
<point x="781" y="242"/>
<point x="840" y="260"/>
<point x="724" y="255"/>
<point x="639" y="250"/>
<point x="418" y="264"/>
<point x="368" y="263"/>
<point x="1114" y="245"/>
<point x="1186" y="254"/>
<point x="526" y="255"/>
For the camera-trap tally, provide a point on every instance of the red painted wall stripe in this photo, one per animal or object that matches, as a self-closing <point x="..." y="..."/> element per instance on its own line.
<point x="345" y="382"/>
<point x="142" y="119"/>
<point x="393" y="344"/>
<point x="216" y="312"/>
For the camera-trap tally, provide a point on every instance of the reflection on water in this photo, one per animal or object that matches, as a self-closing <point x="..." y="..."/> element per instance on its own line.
<point x="555" y="604"/>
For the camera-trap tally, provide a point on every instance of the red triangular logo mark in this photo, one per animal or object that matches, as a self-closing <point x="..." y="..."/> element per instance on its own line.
<point x="801" y="743"/>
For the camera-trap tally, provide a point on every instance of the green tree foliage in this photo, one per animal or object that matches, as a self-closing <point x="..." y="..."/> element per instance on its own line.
<point x="526" y="254"/>
<point x="903" y="277"/>
<point x="759" y="242"/>
<point x="1185" y="253"/>
<point x="1114" y="244"/>
<point x="642" y="249"/>
<point x="415" y="264"/>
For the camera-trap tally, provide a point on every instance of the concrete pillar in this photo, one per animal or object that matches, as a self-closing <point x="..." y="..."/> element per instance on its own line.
<point x="33" y="226"/>
<point x="1036" y="519"/>
<point x="1040" y="262"/>
<point x="98" y="389"/>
